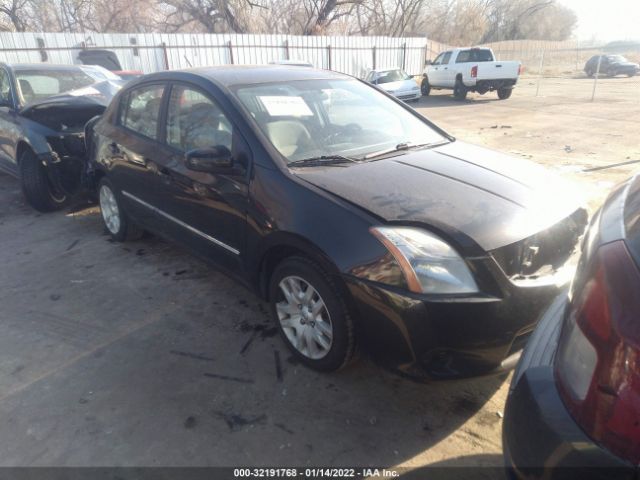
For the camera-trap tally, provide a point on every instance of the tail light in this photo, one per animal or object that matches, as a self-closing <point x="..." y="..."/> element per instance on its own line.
<point x="474" y="71"/>
<point x="597" y="365"/>
<point x="520" y="69"/>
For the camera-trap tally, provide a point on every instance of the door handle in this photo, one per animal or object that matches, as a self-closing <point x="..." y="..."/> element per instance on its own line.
<point x="446" y="68"/>
<point x="498" y="66"/>
<point x="165" y="175"/>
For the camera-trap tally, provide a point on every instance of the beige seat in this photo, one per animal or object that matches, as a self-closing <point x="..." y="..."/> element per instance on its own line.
<point x="288" y="136"/>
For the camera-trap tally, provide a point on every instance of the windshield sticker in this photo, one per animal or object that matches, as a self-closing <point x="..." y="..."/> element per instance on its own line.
<point x="279" y="106"/>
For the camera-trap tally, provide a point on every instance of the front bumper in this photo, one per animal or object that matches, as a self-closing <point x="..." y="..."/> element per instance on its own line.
<point x="408" y="95"/>
<point x="447" y="338"/>
<point x="540" y="438"/>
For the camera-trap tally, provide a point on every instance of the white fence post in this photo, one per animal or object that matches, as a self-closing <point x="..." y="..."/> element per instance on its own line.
<point x="540" y="73"/>
<point x="595" y="78"/>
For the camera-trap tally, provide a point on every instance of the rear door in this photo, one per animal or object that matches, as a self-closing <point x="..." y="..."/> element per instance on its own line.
<point x="133" y="149"/>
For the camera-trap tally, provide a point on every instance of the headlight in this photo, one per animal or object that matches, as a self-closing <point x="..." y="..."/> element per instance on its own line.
<point x="429" y="264"/>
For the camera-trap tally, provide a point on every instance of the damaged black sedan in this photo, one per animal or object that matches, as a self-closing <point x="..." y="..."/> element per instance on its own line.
<point x="43" y="112"/>
<point x="357" y="219"/>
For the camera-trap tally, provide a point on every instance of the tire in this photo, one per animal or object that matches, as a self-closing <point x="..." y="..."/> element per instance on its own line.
<point x="459" y="90"/>
<point x="36" y="186"/>
<point x="590" y="73"/>
<point x="116" y="221"/>
<point x="425" y="88"/>
<point x="326" y="340"/>
<point x="504" y="93"/>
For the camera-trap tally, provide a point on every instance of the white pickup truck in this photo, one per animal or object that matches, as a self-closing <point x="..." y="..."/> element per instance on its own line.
<point x="466" y="70"/>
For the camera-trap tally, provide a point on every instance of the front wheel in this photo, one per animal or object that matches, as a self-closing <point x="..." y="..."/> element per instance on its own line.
<point x="459" y="90"/>
<point x="504" y="93"/>
<point x="37" y="186"/>
<point x="311" y="315"/>
<point x="425" y="88"/>
<point x="115" y="219"/>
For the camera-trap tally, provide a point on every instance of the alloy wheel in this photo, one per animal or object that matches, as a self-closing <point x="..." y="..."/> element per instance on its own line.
<point x="304" y="318"/>
<point x="109" y="209"/>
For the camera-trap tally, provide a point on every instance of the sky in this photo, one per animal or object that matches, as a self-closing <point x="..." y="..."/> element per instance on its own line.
<point x="607" y="20"/>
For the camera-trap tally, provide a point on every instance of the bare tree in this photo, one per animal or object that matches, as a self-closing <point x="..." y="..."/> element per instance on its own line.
<point x="12" y="15"/>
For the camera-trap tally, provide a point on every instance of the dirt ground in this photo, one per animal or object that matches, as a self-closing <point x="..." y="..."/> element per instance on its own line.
<point x="140" y="355"/>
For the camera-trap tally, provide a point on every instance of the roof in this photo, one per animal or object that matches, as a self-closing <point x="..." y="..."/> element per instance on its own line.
<point x="41" y="66"/>
<point x="229" y="75"/>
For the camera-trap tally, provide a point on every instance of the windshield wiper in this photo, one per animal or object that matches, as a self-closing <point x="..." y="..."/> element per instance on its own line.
<point x="398" y="148"/>
<point x="322" y="160"/>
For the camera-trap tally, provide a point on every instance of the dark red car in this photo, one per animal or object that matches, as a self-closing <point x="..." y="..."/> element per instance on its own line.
<point x="574" y="406"/>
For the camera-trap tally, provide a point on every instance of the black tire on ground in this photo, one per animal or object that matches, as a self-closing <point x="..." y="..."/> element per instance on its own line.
<point x="504" y="93"/>
<point x="425" y="88"/>
<point x="115" y="219"/>
<point x="36" y="186"/>
<point x="343" y="345"/>
<point x="459" y="90"/>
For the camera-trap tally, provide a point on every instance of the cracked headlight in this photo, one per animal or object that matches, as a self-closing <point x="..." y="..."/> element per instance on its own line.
<point x="429" y="264"/>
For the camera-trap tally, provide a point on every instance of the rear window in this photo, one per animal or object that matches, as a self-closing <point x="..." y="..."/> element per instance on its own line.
<point x="475" y="55"/>
<point x="140" y="110"/>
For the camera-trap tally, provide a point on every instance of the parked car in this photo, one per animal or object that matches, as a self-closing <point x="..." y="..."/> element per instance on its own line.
<point x="466" y="70"/>
<point x="611" y="65"/>
<point x="357" y="219"/>
<point x="43" y="112"/>
<point x="396" y="82"/>
<point x="574" y="402"/>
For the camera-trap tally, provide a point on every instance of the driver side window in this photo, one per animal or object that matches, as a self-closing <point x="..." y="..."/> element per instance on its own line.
<point x="195" y="121"/>
<point x="438" y="59"/>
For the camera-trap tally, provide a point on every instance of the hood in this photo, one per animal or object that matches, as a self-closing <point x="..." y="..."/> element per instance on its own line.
<point x="462" y="190"/>
<point x="72" y="109"/>
<point x="400" y="85"/>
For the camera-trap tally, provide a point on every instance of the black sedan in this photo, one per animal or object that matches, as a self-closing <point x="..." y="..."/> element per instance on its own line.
<point x="358" y="220"/>
<point x="611" y="65"/>
<point x="43" y="112"/>
<point x="574" y="403"/>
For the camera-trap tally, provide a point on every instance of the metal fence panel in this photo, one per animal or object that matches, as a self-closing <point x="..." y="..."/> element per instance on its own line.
<point x="150" y="52"/>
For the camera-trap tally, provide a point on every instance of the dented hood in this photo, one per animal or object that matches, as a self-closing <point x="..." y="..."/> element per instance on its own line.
<point x="460" y="189"/>
<point x="99" y="94"/>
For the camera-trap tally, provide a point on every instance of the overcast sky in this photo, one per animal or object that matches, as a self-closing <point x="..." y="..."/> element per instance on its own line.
<point x="606" y="19"/>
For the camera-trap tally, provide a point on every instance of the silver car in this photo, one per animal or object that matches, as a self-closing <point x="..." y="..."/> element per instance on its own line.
<point x="396" y="82"/>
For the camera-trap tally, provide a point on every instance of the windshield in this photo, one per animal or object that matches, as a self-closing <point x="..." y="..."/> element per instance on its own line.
<point x="392" y="76"/>
<point x="37" y="84"/>
<point x="312" y="118"/>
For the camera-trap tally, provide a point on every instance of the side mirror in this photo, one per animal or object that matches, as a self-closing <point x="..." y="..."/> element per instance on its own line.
<point x="427" y="62"/>
<point x="211" y="160"/>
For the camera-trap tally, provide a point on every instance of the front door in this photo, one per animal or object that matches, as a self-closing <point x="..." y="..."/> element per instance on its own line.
<point x="204" y="210"/>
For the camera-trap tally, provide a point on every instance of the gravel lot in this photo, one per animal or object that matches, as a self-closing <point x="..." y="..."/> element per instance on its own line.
<point x="139" y="354"/>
